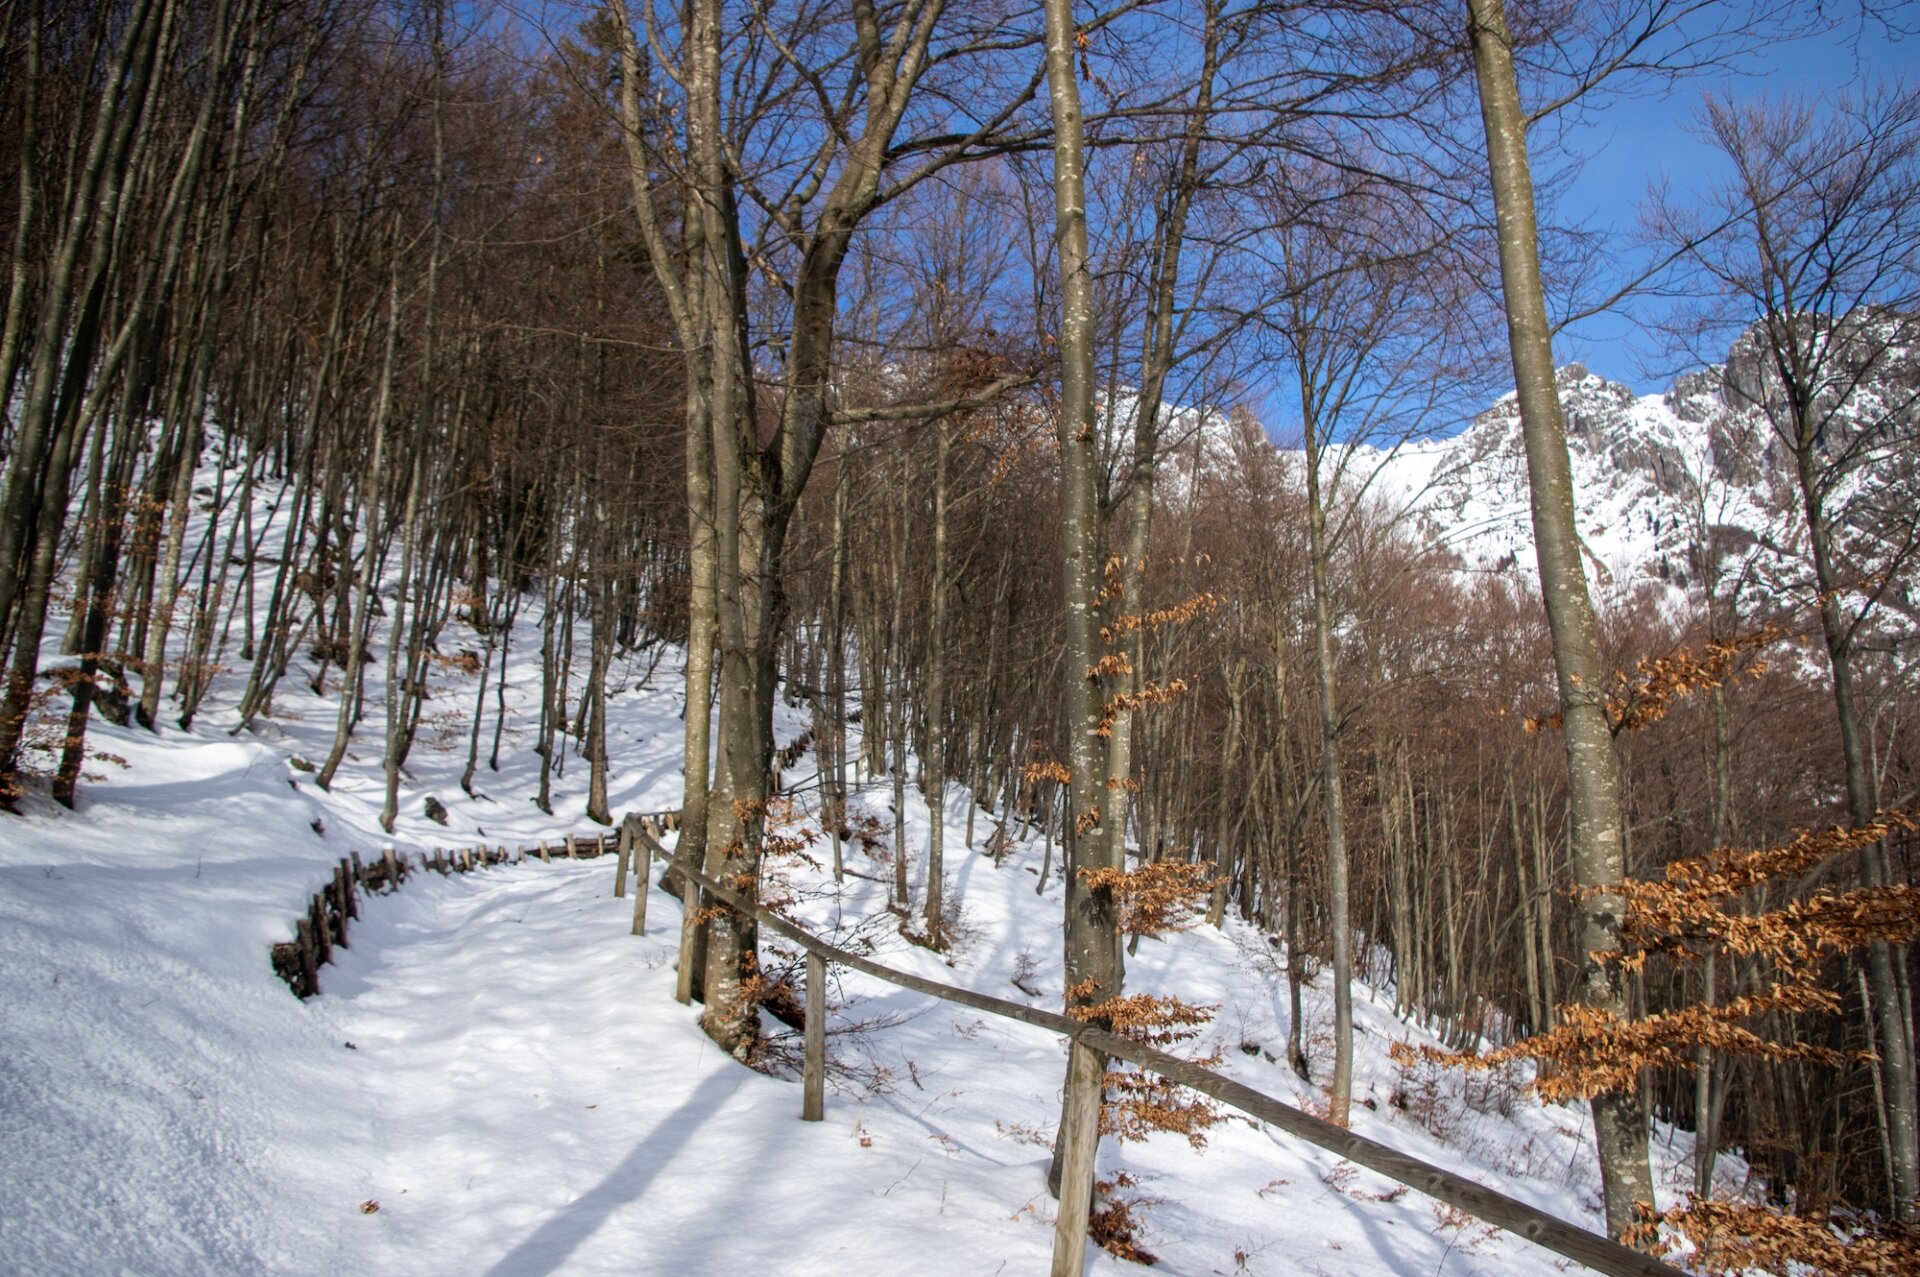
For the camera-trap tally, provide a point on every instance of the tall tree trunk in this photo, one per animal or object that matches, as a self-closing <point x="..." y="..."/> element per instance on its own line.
<point x="936" y="755"/>
<point x="1093" y="958"/>
<point x="400" y="654"/>
<point x="1593" y="782"/>
<point x="834" y="747"/>
<point x="20" y="281"/>
<point x="692" y="315"/>
<point x="896" y="699"/>
<point x="600" y="643"/>
<point x="1340" y="1084"/>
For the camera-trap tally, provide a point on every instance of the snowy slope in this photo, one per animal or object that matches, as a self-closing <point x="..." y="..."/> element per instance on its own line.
<point x="1670" y="486"/>
<point x="502" y="1069"/>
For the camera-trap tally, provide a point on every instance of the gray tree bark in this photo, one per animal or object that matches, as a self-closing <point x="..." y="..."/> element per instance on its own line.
<point x="1593" y="781"/>
<point x="1093" y="959"/>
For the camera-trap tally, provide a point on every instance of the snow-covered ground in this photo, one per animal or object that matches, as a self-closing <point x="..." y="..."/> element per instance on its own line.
<point x="502" y="1069"/>
<point x="496" y="1079"/>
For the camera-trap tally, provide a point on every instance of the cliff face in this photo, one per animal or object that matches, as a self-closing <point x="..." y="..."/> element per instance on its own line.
<point x="1693" y="480"/>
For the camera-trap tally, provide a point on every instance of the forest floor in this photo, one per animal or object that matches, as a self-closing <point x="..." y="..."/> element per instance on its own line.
<point x="496" y="1079"/>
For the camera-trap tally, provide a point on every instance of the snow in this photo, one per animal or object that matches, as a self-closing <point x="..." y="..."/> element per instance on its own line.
<point x="501" y="1068"/>
<point x="1650" y="477"/>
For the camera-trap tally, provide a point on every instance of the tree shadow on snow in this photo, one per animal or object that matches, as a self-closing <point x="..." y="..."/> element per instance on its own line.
<point x="546" y="1250"/>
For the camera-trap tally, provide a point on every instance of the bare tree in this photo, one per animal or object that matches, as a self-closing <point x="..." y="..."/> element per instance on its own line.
<point x="1593" y="793"/>
<point x="1092" y="930"/>
<point x="1822" y="271"/>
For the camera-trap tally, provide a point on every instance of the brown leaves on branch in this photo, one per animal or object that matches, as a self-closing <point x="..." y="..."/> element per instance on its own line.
<point x="1149" y="694"/>
<point x="1695" y="909"/>
<point x="1145" y="1017"/>
<point x="1647" y="695"/>
<point x="1154" y="899"/>
<point x="1151" y="900"/>
<point x="1140" y="1103"/>
<point x="1728" y="870"/>
<point x="1047" y="769"/>
<point x="1592" y="1052"/>
<point x="1657" y="682"/>
<point x="1178" y="614"/>
<point x="1733" y="1237"/>
<point x="1690" y="908"/>
<point x="1795" y="936"/>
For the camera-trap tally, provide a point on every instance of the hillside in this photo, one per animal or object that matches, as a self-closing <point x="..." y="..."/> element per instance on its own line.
<point x="1659" y="476"/>
<point x="502" y="1069"/>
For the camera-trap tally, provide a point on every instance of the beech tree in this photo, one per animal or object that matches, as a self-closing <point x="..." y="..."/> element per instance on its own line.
<point x="791" y="216"/>
<point x="1092" y="927"/>
<point x="1593" y="790"/>
<point x="1820" y="273"/>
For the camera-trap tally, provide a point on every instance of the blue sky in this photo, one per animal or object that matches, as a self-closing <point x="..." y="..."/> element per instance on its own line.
<point x="1634" y="141"/>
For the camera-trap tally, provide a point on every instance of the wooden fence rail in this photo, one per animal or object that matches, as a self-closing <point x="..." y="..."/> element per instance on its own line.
<point x="1601" y="1254"/>
<point x="637" y="843"/>
<point x="330" y="909"/>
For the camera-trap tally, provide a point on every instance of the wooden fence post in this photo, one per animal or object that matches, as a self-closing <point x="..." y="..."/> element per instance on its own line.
<point x="322" y="932"/>
<point x="338" y="892"/>
<point x="690" y="908"/>
<point x="544" y="858"/>
<point x="572" y="854"/>
<point x="813" y="1076"/>
<point x="309" y="968"/>
<point x="642" y="868"/>
<point x="1081" y="1133"/>
<point x="620" y="869"/>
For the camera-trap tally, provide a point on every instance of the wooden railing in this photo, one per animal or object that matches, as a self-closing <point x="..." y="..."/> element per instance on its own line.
<point x="1601" y="1254"/>
<point x="331" y="909"/>
<point x="637" y="844"/>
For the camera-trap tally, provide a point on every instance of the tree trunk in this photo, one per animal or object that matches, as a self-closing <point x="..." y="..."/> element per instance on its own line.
<point x="1340" y="1085"/>
<point x="936" y="758"/>
<point x="1593" y="787"/>
<point x="1093" y="958"/>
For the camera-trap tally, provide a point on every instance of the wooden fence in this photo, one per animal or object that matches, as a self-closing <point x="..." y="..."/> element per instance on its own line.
<point x="335" y="905"/>
<point x="332" y="908"/>
<point x="637" y="844"/>
<point x="1601" y="1254"/>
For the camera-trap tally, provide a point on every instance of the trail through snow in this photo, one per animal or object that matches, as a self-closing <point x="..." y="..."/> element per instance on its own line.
<point x="500" y="1067"/>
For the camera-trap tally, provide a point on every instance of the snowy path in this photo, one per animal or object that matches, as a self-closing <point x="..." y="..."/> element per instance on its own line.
<point x="523" y="1095"/>
<point x="525" y="1098"/>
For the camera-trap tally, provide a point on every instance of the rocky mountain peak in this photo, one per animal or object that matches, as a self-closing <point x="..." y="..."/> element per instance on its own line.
<point x="1657" y="476"/>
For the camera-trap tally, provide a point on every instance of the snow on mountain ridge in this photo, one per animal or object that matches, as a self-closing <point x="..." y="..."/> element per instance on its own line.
<point x="1666" y="483"/>
<point x="1650" y="472"/>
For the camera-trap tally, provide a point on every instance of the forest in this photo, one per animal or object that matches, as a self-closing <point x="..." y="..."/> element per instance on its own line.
<point x="1138" y="424"/>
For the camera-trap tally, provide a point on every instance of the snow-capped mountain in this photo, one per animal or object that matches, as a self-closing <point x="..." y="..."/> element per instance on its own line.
<point x="1664" y="482"/>
<point x="1647" y="479"/>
